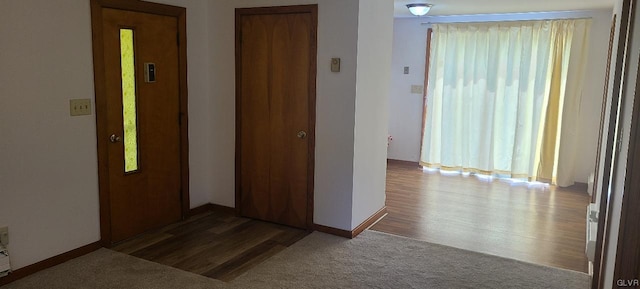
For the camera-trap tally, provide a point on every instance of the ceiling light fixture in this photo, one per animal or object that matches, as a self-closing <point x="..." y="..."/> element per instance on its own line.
<point x="419" y="9"/>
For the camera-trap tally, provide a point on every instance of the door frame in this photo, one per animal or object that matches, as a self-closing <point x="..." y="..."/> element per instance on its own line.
<point x="627" y="262"/>
<point x="99" y="66"/>
<point x="606" y="207"/>
<point x="313" y="10"/>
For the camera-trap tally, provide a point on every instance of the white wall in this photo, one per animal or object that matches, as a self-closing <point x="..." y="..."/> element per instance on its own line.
<point x="335" y="104"/>
<point x="335" y="108"/>
<point x="409" y="45"/>
<point x="592" y="95"/>
<point x="48" y="163"/>
<point x="405" y="108"/>
<point x="48" y="160"/>
<point x="375" y="33"/>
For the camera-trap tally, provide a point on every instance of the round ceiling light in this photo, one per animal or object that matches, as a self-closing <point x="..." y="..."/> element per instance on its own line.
<point x="419" y="9"/>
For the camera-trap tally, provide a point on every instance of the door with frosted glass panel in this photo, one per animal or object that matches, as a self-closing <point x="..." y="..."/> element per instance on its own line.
<point x="141" y="57"/>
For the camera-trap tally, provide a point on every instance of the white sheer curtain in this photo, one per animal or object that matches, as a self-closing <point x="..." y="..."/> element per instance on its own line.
<point x="564" y="172"/>
<point x="488" y="94"/>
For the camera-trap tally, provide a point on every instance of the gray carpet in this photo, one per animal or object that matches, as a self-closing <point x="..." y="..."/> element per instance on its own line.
<point x="372" y="260"/>
<point x="104" y="269"/>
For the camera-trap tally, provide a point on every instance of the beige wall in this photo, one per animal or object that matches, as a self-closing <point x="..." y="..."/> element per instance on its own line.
<point x="48" y="163"/>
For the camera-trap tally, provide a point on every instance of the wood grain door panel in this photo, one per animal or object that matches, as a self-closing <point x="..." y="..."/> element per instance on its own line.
<point x="149" y="197"/>
<point x="276" y="99"/>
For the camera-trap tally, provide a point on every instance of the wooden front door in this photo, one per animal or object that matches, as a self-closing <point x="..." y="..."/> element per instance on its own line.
<point x="138" y="99"/>
<point x="276" y="69"/>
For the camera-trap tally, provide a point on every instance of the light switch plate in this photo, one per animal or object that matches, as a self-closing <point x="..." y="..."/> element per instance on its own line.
<point x="417" y="89"/>
<point x="80" y="106"/>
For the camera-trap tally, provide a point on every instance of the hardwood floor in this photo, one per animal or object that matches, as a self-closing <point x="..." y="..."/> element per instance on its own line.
<point x="542" y="225"/>
<point x="213" y="244"/>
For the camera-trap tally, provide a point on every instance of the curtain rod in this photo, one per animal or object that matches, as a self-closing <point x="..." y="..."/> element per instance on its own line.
<point x="486" y="21"/>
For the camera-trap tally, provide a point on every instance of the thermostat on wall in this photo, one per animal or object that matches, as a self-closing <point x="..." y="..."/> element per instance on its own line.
<point x="335" y="64"/>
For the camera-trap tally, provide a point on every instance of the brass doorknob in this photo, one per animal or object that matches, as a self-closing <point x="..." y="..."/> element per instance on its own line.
<point x="302" y="134"/>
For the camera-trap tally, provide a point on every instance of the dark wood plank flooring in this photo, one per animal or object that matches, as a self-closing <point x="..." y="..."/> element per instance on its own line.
<point x="543" y="225"/>
<point x="534" y="224"/>
<point x="212" y="244"/>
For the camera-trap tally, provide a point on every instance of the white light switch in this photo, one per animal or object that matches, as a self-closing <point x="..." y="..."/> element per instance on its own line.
<point x="417" y="89"/>
<point x="80" y="107"/>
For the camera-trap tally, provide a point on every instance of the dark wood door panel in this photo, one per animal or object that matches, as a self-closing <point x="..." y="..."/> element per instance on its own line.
<point x="276" y="98"/>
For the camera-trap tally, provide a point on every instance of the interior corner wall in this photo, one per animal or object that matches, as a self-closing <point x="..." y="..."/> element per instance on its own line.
<point x="222" y="99"/>
<point x="592" y="95"/>
<point x="335" y="104"/>
<point x="203" y="174"/>
<point x="375" y="34"/>
<point x="405" y="108"/>
<point x="48" y="159"/>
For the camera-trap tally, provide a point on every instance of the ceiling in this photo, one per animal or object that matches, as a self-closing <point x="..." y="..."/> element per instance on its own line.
<point x="465" y="7"/>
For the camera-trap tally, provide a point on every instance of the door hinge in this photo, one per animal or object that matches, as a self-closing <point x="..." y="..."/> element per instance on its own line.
<point x="179" y="119"/>
<point x="178" y="38"/>
<point x="240" y="37"/>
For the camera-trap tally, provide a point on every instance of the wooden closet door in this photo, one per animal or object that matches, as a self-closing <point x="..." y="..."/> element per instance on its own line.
<point x="276" y="95"/>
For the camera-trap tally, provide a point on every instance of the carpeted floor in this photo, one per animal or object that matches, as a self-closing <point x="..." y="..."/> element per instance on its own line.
<point x="372" y="260"/>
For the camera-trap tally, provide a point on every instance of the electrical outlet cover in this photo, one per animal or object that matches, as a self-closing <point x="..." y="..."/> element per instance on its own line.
<point x="5" y="264"/>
